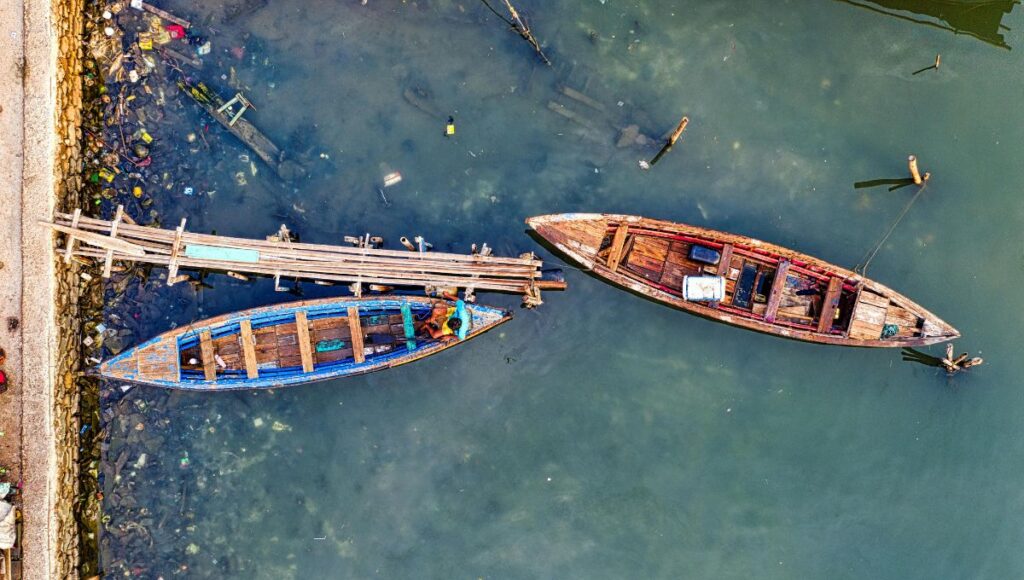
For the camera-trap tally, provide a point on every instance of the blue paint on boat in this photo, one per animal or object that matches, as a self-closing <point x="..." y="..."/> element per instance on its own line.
<point x="482" y="318"/>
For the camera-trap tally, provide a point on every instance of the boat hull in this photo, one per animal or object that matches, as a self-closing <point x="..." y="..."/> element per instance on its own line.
<point x="815" y="301"/>
<point x="178" y="358"/>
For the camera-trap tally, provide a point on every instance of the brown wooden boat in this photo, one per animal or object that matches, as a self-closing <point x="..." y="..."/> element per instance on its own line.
<point x="742" y="281"/>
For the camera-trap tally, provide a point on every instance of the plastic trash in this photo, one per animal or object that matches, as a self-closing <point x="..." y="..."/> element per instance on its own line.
<point x="392" y="178"/>
<point x="203" y="49"/>
<point x="175" y="30"/>
<point x="189" y="191"/>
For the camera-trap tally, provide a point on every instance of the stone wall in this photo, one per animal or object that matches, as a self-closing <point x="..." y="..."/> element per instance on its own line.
<point x="68" y="25"/>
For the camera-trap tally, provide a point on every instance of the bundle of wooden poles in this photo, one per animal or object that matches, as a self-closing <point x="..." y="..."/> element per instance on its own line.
<point x="122" y="240"/>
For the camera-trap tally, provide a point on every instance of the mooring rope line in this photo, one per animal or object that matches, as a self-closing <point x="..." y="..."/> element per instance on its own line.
<point x="870" y="255"/>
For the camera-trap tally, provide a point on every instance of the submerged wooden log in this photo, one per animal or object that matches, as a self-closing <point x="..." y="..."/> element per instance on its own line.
<point x="246" y="132"/>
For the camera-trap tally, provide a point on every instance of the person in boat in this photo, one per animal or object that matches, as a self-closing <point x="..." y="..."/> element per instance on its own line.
<point x="448" y="322"/>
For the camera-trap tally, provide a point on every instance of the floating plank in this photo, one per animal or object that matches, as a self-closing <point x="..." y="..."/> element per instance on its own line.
<point x="357" y="334"/>
<point x="829" y="305"/>
<point x="302" y="331"/>
<point x="204" y="252"/>
<point x="778" y="285"/>
<point x="70" y="249"/>
<point x="99" y="240"/>
<point x="618" y="243"/>
<point x="249" y="348"/>
<point x="209" y="360"/>
<point x="108" y="263"/>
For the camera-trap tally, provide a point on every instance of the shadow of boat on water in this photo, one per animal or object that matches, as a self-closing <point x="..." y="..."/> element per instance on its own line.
<point x="981" y="19"/>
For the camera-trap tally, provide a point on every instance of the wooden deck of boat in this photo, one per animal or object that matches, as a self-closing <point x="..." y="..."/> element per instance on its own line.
<point x="294" y="344"/>
<point x="767" y="288"/>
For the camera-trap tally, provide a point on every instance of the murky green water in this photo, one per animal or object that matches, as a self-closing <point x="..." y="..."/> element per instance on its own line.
<point x="601" y="436"/>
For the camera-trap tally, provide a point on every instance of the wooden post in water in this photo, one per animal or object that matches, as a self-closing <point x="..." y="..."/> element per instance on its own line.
<point x="914" y="173"/>
<point x="668" y="144"/>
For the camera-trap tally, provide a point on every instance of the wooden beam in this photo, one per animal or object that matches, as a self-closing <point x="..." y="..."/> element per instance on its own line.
<point x="618" y="243"/>
<point x="105" y="242"/>
<point x="70" y="249"/>
<point x="162" y="14"/>
<point x="172" y="265"/>
<point x="829" y="305"/>
<point x="108" y="263"/>
<point x="302" y="333"/>
<point x="778" y="285"/>
<point x="249" y="348"/>
<point x="725" y="260"/>
<point x="356" y="329"/>
<point x="209" y="360"/>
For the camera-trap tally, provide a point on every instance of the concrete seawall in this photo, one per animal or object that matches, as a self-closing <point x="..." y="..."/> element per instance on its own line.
<point x="40" y="166"/>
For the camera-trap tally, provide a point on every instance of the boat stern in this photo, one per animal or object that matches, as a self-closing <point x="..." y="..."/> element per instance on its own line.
<point x="154" y="362"/>
<point x="123" y="367"/>
<point x="578" y="235"/>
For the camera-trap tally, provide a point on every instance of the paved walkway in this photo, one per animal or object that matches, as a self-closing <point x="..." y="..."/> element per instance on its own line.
<point x="27" y="129"/>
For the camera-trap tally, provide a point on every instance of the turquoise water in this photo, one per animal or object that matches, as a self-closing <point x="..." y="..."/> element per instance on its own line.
<point x="600" y="436"/>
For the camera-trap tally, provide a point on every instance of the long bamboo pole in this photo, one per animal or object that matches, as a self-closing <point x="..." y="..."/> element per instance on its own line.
<point x="156" y="234"/>
<point x="456" y="281"/>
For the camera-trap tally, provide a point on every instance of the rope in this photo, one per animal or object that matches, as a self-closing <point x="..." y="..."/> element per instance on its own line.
<point x="870" y="255"/>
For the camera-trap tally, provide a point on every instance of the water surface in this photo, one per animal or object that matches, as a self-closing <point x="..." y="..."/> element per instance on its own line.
<point x="600" y="436"/>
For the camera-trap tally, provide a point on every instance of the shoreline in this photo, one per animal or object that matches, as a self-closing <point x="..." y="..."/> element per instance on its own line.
<point x="42" y="100"/>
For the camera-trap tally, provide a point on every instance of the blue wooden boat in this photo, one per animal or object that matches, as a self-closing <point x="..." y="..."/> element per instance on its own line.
<point x="293" y="343"/>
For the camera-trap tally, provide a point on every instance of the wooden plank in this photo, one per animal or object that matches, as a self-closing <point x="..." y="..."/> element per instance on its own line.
<point x="357" y="334"/>
<point x="164" y="14"/>
<point x="70" y="247"/>
<point x="723" y="264"/>
<point x="109" y="261"/>
<point x="829" y="305"/>
<point x="873" y="299"/>
<point x="249" y="348"/>
<point x="105" y="242"/>
<point x="221" y="253"/>
<point x="618" y="243"/>
<point x="775" y="298"/>
<point x="172" y="265"/>
<point x="305" y="350"/>
<point x="209" y="361"/>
